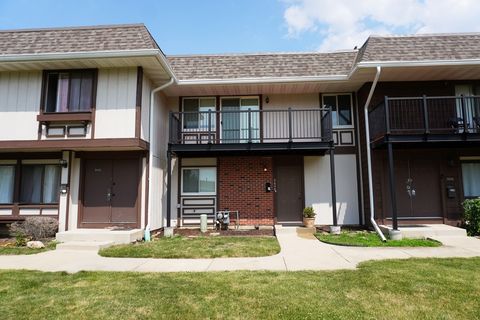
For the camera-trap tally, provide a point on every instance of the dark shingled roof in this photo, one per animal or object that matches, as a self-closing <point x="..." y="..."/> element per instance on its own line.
<point x="242" y="66"/>
<point x="76" y="39"/>
<point x="237" y="66"/>
<point x="421" y="47"/>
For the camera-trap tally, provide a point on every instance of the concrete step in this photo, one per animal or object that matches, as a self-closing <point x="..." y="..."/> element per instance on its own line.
<point x="84" y="245"/>
<point x="305" y="230"/>
<point x="428" y="231"/>
<point x="100" y="235"/>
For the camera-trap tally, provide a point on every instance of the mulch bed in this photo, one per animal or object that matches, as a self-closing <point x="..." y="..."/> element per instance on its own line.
<point x="197" y="233"/>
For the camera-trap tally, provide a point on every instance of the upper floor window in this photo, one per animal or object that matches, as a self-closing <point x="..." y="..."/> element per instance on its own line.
<point x="341" y="106"/>
<point x="69" y="91"/>
<point x="195" y="116"/>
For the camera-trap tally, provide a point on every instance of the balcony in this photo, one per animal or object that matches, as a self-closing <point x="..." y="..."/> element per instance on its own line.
<point x="260" y="131"/>
<point x="425" y="119"/>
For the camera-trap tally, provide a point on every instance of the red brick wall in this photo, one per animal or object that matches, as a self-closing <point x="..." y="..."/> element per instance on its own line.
<point x="241" y="186"/>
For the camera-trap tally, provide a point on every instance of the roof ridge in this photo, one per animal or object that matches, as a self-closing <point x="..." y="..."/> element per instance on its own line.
<point x="420" y="35"/>
<point x="257" y="54"/>
<point x="101" y="26"/>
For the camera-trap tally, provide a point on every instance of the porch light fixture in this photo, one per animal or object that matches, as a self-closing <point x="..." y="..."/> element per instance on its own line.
<point x="63" y="163"/>
<point x="267" y="99"/>
<point x="63" y="188"/>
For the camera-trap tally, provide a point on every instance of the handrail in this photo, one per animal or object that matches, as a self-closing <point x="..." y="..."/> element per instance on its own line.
<point x="428" y="115"/>
<point x="251" y="126"/>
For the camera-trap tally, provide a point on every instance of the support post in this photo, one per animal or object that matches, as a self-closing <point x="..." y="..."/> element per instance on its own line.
<point x="169" y="188"/>
<point x="249" y="125"/>
<point x="393" y="197"/>
<point x="387" y="116"/>
<point x="290" y="126"/>
<point x="425" y="115"/>
<point x="209" y="126"/>
<point x="464" y="115"/>
<point x="332" y="183"/>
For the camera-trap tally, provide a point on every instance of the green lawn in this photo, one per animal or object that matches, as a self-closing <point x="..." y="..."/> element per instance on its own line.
<point x="371" y="239"/>
<point x="392" y="289"/>
<point x="197" y="247"/>
<point x="12" y="250"/>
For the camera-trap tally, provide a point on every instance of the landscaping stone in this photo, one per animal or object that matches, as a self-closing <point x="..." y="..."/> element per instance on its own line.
<point x="35" y="245"/>
<point x="335" y="229"/>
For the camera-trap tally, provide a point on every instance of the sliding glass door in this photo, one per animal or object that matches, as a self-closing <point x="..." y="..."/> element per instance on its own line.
<point x="241" y="120"/>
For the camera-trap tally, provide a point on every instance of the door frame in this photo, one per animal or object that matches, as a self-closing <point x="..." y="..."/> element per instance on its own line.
<point x="275" y="161"/>
<point x="138" y="155"/>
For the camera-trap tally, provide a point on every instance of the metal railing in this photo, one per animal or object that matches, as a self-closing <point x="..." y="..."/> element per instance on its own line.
<point x="251" y="126"/>
<point x="425" y="115"/>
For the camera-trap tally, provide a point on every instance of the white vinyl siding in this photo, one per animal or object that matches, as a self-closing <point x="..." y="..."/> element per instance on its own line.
<point x="19" y="104"/>
<point x="116" y="101"/>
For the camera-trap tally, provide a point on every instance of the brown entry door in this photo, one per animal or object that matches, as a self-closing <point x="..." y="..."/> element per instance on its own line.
<point x="110" y="193"/>
<point x="288" y="187"/>
<point x="417" y="189"/>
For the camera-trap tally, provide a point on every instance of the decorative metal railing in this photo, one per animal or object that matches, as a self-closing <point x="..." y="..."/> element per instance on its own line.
<point x="251" y="126"/>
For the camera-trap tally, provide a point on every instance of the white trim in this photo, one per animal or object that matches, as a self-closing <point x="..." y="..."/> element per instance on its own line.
<point x="263" y="80"/>
<point x="415" y="63"/>
<point x="78" y="55"/>
<point x="212" y="194"/>
<point x="39" y="57"/>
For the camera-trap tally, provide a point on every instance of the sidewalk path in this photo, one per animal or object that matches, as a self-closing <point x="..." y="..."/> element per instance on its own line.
<point x="299" y="252"/>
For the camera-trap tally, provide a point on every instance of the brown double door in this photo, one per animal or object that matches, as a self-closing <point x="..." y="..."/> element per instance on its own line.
<point x="418" y="189"/>
<point x="110" y="193"/>
<point x="289" y="190"/>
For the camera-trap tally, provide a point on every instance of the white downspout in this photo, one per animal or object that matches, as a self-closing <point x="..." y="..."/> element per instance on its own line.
<point x="153" y="143"/>
<point x="369" y="158"/>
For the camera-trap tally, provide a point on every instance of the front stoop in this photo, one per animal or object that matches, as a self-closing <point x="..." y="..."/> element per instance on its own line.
<point x="427" y="231"/>
<point x="294" y="230"/>
<point x="100" y="235"/>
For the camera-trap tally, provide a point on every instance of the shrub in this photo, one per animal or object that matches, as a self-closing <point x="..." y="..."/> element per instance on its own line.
<point x="471" y="216"/>
<point x="308" y="212"/>
<point x="20" y="239"/>
<point x="35" y="228"/>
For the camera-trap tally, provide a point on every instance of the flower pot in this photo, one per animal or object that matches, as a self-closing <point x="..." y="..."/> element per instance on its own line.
<point x="309" y="222"/>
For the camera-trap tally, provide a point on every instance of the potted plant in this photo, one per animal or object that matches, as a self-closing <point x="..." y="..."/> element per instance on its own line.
<point x="309" y="217"/>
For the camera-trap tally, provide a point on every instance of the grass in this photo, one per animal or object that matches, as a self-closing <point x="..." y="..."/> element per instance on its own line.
<point x="198" y="247"/>
<point x="391" y="289"/>
<point x="14" y="250"/>
<point x="371" y="239"/>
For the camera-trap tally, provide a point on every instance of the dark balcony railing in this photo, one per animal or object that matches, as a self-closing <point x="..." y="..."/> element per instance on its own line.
<point x="251" y="126"/>
<point x="425" y="115"/>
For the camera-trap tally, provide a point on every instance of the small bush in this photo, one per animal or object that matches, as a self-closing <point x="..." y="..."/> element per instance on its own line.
<point x="308" y="212"/>
<point x="471" y="216"/>
<point x="35" y="228"/>
<point x="20" y="239"/>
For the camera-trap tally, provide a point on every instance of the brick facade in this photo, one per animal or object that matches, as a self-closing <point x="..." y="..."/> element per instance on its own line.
<point x="241" y="186"/>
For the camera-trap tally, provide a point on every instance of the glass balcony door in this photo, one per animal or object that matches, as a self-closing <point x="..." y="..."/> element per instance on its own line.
<point x="240" y="120"/>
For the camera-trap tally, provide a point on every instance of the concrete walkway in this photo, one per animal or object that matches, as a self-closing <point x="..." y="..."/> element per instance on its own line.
<point x="299" y="252"/>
